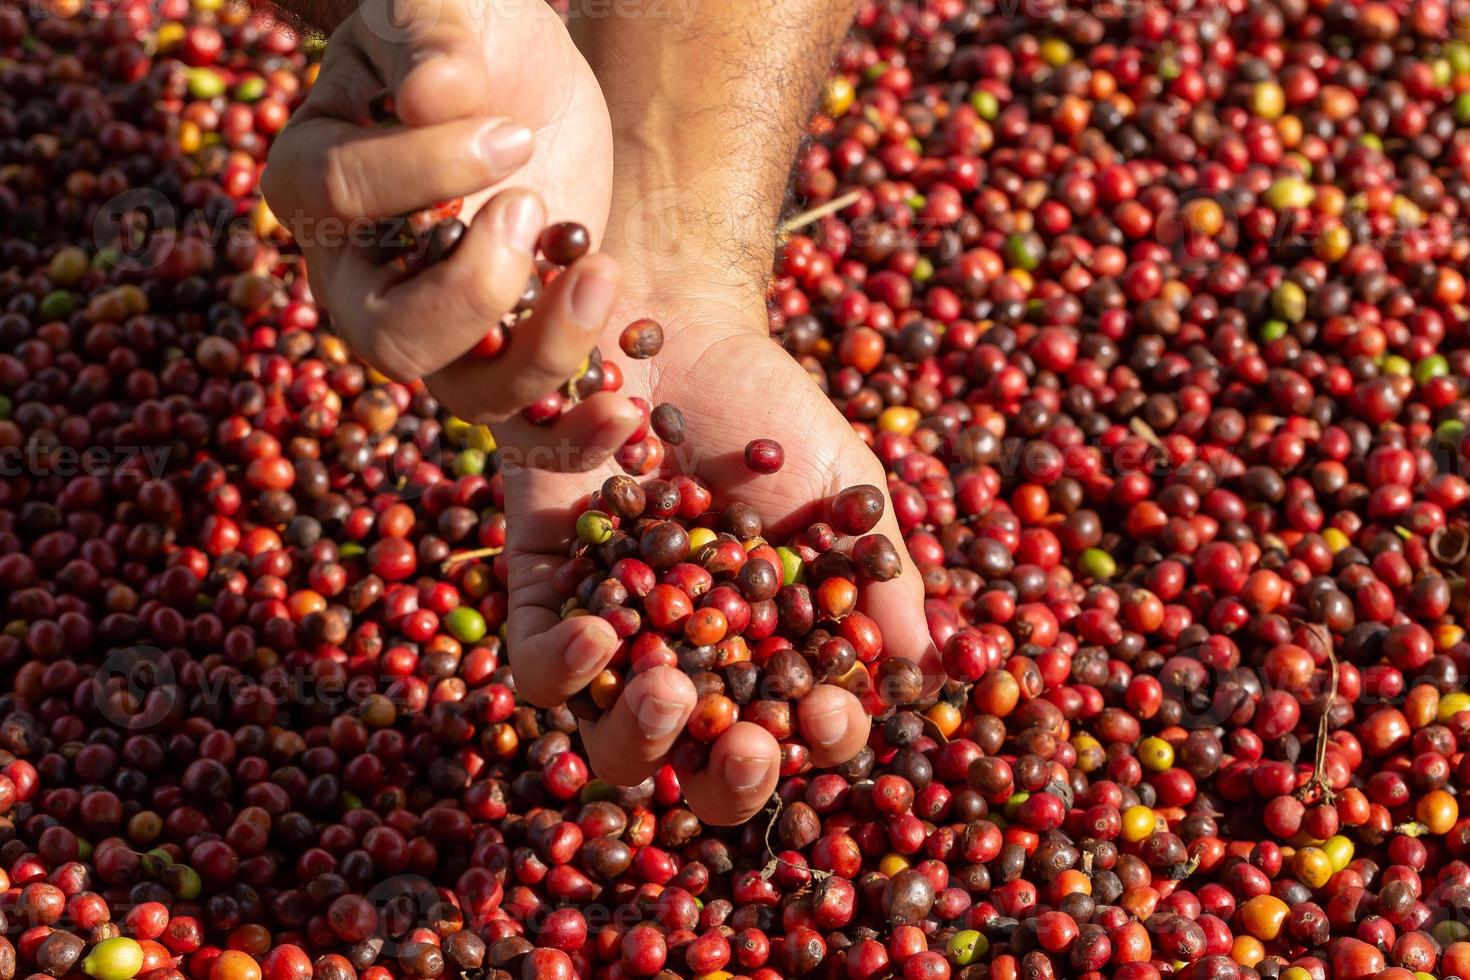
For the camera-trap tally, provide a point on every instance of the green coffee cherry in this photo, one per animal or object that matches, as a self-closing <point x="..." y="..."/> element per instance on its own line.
<point x="1274" y="330"/>
<point x="966" y="946"/>
<point x="1289" y="192"/>
<point x="250" y="90"/>
<point x="1461" y="108"/>
<point x="985" y="104"/>
<point x="1289" y="302"/>
<point x="1431" y="367"/>
<point x="790" y="566"/>
<point x="183" y="881"/>
<point x="465" y="624"/>
<point x="118" y="958"/>
<point x="1098" y="563"/>
<point x="1024" y="251"/>
<point x="206" y="84"/>
<point x="594" y="527"/>
<point x="469" y="462"/>
<point x="57" y="305"/>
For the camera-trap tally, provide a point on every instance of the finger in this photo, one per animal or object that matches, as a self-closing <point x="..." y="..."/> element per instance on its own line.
<point x="541" y="510"/>
<point x="431" y="53"/>
<point x="545" y="350"/>
<point x="421" y="323"/>
<point x="553" y="658"/>
<point x="744" y="764"/>
<point x="627" y="744"/>
<point x="897" y="606"/>
<point x="585" y="438"/>
<point x="330" y="167"/>
<point x="833" y="724"/>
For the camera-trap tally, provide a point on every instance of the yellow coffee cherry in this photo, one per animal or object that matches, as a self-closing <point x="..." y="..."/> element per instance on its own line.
<point x="1339" y="850"/>
<point x="1138" y="823"/>
<point x="1312" y="867"/>
<point x="1452" y="704"/>
<point x="1155" y="754"/>
<point x="1263" y="916"/>
<point x="1438" y="811"/>
<point x="892" y="864"/>
<point x="838" y="97"/>
<point x="1268" y="100"/>
<point x="1090" y="753"/>
<point x="1248" y="951"/>
<point x="899" y="419"/>
<point x="698" y="538"/>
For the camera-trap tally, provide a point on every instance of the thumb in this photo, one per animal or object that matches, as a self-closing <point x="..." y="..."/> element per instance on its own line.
<point x="432" y="55"/>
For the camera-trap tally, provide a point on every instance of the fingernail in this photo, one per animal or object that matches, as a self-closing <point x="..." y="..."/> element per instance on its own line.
<point x="826" y="728"/>
<point x="521" y="221"/>
<point x="586" y="653"/>
<point x="504" y="143"/>
<point x="658" y="717"/>
<point x="592" y="299"/>
<point x="745" y="773"/>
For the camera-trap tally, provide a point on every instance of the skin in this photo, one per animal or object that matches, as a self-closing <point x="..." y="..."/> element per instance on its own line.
<point x="707" y="102"/>
<point x="696" y="234"/>
<point x="500" y="108"/>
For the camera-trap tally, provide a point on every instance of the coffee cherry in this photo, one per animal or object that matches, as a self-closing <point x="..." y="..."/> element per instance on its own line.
<point x="564" y="243"/>
<point x="764" y="456"/>
<point x="857" y="510"/>
<point x="641" y="339"/>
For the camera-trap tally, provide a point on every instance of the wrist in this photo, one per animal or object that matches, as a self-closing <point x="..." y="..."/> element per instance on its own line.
<point x="684" y="308"/>
<point x="687" y="221"/>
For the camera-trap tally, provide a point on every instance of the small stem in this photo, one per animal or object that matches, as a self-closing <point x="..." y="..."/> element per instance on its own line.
<point x="775" y="861"/>
<point x="463" y="556"/>
<point x="1318" y="782"/>
<point x="800" y="220"/>
<point x="1145" y="432"/>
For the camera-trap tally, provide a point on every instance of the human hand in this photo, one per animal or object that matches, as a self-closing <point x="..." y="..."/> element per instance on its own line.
<point x="488" y="93"/>
<point x="733" y="384"/>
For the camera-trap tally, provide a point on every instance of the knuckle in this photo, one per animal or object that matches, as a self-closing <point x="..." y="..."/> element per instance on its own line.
<point x="612" y="764"/>
<point x="546" y="367"/>
<point x="272" y="185"/>
<point x="532" y="684"/>
<point x="491" y="290"/>
<point x="343" y="187"/>
<point x="382" y="348"/>
<point x="524" y="388"/>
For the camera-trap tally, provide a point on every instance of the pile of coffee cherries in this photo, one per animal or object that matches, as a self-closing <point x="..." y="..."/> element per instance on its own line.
<point x="686" y="587"/>
<point x="1156" y="317"/>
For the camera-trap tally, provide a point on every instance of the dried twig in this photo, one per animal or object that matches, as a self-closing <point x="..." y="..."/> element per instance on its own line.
<point x="800" y="220"/>
<point x="463" y="556"/>
<point x="776" y="806"/>
<point x="1317" y="786"/>
<point x="1145" y="432"/>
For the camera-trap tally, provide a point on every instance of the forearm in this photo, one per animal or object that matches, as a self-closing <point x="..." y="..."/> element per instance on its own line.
<point x="709" y="100"/>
